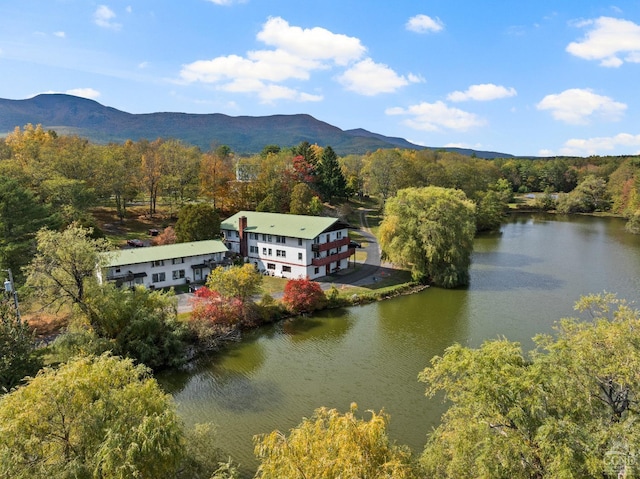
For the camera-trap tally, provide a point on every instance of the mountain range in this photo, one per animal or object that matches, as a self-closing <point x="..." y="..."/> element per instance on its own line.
<point x="72" y="115"/>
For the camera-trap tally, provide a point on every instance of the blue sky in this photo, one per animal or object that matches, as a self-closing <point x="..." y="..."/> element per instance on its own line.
<point x="525" y="78"/>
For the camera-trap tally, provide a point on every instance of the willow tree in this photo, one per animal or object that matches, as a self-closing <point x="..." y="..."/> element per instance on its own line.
<point x="331" y="445"/>
<point x="430" y="230"/>
<point x="92" y="417"/>
<point x="568" y="409"/>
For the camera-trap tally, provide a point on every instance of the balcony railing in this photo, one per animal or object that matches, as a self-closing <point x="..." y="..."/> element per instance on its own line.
<point x="320" y="247"/>
<point x="332" y="258"/>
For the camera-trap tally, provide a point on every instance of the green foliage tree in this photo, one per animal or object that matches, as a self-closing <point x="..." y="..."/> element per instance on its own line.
<point x="430" y="230"/>
<point x="331" y="445"/>
<point x="64" y="268"/>
<point x="91" y="418"/>
<point x="197" y="222"/>
<point x="239" y="282"/>
<point x="139" y="324"/>
<point x="21" y="216"/>
<point x="590" y="195"/>
<point x="568" y="409"/>
<point x="18" y="358"/>
<point x="301" y="200"/>
<point x="332" y="182"/>
<point x="490" y="209"/>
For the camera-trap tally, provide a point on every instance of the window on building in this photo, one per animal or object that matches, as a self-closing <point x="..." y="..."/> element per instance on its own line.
<point x="281" y="239"/>
<point x="316" y="255"/>
<point x="264" y="237"/>
<point x="299" y="241"/>
<point x="178" y="273"/>
<point x="286" y="269"/>
<point x="155" y="264"/>
<point x="281" y="253"/>
<point x="339" y="235"/>
<point x="237" y="234"/>
<point x="328" y="238"/>
<point x="270" y="252"/>
<point x="316" y="240"/>
<point x="316" y="270"/>
<point x="271" y="266"/>
<point x="300" y="256"/>
<point x="269" y="238"/>
<point x="264" y="251"/>
<point x="177" y="261"/>
<point x="253" y="249"/>
<point x="158" y="277"/>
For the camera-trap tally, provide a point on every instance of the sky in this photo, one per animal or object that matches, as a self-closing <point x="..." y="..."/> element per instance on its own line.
<point x="528" y="78"/>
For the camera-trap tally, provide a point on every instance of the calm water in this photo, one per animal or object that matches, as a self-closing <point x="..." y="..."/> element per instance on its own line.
<point x="522" y="281"/>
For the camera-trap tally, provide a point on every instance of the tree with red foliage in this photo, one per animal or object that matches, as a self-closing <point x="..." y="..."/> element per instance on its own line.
<point x="303" y="296"/>
<point x="210" y="306"/>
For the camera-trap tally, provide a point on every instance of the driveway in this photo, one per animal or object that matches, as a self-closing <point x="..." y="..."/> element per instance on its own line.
<point x="365" y="273"/>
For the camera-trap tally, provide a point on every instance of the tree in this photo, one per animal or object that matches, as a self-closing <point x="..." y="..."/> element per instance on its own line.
<point x="332" y="181"/>
<point x="301" y="200"/>
<point x="21" y="216"/>
<point x="431" y="231"/>
<point x="168" y="236"/>
<point x="589" y="196"/>
<point x="17" y="354"/>
<point x="94" y="417"/>
<point x="303" y="296"/>
<point x="197" y="222"/>
<point x="490" y="210"/>
<point x="333" y="445"/>
<point x="241" y="282"/>
<point x="64" y="268"/>
<point x="140" y="324"/>
<point x="568" y="409"/>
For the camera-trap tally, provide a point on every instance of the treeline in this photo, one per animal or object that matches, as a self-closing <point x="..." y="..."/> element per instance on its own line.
<point x="51" y="180"/>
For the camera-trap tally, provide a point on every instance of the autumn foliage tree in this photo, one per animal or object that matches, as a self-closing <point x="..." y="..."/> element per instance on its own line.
<point x="303" y="296"/>
<point x="332" y="445"/>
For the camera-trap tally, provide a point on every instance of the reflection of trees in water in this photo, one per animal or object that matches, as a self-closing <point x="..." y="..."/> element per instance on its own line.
<point x="427" y="321"/>
<point x="235" y="358"/>
<point x="330" y="324"/>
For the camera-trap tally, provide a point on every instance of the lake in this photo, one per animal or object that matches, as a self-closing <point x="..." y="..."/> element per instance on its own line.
<point x="523" y="280"/>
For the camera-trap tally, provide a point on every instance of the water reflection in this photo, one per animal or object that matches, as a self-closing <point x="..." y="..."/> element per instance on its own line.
<point x="522" y="281"/>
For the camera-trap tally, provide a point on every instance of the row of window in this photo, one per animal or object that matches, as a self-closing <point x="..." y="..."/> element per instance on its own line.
<point x="160" y="277"/>
<point x="158" y="263"/>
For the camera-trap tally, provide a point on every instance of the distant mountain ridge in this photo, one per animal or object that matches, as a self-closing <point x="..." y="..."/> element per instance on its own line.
<point x="72" y="115"/>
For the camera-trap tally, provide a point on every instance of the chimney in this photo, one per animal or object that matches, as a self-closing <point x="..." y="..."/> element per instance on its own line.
<point x="242" y="225"/>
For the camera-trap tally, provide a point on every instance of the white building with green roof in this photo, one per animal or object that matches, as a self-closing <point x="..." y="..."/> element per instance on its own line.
<point x="164" y="266"/>
<point x="289" y="246"/>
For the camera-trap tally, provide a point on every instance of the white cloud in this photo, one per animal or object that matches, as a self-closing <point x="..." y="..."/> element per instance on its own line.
<point x="59" y="34"/>
<point x="577" y="106"/>
<point x="90" y="93"/>
<point x="104" y="16"/>
<point x="423" y="24"/>
<point x="437" y="116"/>
<point x="483" y="92"/>
<point x="129" y="9"/>
<point x="600" y="145"/>
<point x="84" y="92"/>
<point x="369" y="78"/>
<point x="610" y="40"/>
<point x="311" y="43"/>
<point x="295" y="55"/>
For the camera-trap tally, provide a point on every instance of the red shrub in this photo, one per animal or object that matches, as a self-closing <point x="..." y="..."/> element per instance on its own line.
<point x="303" y="296"/>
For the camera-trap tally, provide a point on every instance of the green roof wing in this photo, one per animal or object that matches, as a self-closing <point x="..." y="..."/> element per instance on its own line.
<point x="293" y="226"/>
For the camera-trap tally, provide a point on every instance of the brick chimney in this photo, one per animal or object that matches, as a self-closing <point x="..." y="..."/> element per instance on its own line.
<point x="242" y="225"/>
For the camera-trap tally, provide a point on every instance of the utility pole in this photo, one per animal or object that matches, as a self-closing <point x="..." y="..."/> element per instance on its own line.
<point x="10" y="288"/>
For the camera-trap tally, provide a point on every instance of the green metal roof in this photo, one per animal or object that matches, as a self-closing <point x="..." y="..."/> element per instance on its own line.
<point x="293" y="226"/>
<point x="157" y="253"/>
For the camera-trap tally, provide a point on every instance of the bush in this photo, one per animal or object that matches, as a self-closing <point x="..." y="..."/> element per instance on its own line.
<point x="303" y="296"/>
